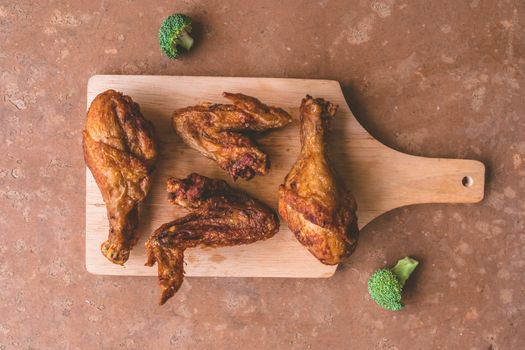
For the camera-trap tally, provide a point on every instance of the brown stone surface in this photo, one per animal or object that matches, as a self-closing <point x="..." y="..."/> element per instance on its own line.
<point x="435" y="78"/>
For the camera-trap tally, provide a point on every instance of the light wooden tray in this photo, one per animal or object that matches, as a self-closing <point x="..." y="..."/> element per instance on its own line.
<point x="380" y="178"/>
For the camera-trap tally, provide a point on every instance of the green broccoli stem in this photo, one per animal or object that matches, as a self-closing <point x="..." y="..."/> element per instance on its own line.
<point x="404" y="269"/>
<point x="184" y="40"/>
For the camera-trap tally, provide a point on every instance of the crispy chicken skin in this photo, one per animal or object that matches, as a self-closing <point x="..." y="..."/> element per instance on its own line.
<point x="119" y="150"/>
<point x="219" y="216"/>
<point x="318" y="208"/>
<point x="217" y="132"/>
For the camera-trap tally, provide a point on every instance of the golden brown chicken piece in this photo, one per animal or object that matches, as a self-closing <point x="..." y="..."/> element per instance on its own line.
<point x="119" y="150"/>
<point x="220" y="216"/>
<point x="318" y="208"/>
<point x="215" y="130"/>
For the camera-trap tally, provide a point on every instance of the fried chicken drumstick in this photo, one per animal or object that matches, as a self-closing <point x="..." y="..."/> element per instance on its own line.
<point x="318" y="208"/>
<point x="216" y="131"/>
<point x="119" y="150"/>
<point x="220" y="216"/>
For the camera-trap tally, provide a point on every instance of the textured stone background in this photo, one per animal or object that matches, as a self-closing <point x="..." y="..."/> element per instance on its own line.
<point x="434" y="78"/>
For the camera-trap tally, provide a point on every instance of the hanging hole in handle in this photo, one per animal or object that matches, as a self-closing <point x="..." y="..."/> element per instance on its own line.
<point x="467" y="181"/>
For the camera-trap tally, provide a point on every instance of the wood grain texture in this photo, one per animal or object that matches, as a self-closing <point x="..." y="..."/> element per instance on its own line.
<point x="381" y="178"/>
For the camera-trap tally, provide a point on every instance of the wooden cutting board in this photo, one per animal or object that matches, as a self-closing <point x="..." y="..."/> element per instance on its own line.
<point x="381" y="178"/>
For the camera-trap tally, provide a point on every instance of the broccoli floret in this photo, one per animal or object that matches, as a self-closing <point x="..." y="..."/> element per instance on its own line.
<point x="385" y="285"/>
<point x="175" y="32"/>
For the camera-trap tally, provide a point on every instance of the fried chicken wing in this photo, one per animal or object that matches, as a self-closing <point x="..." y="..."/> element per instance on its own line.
<point x="216" y="131"/>
<point x="119" y="150"/>
<point x="220" y="216"/>
<point x="318" y="208"/>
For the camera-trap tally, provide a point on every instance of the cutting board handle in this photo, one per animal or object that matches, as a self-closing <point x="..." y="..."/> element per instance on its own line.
<point x="418" y="180"/>
<point x="442" y="180"/>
